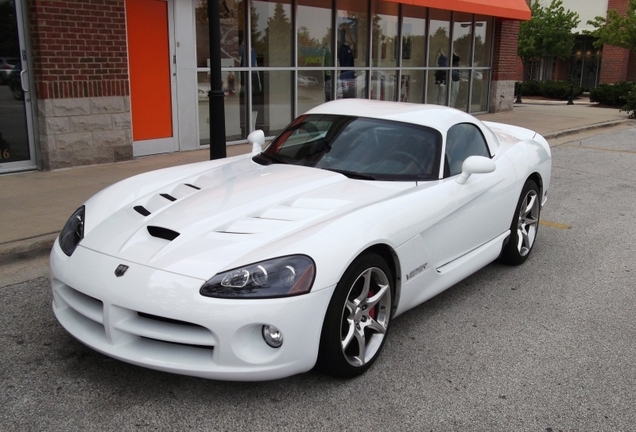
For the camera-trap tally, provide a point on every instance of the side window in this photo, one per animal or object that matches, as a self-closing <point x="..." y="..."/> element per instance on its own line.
<point x="463" y="140"/>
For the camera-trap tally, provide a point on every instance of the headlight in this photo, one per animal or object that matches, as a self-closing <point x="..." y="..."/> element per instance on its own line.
<point x="278" y="277"/>
<point x="73" y="232"/>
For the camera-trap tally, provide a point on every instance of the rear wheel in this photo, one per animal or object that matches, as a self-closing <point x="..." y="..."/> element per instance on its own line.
<point x="524" y="226"/>
<point x="357" y="319"/>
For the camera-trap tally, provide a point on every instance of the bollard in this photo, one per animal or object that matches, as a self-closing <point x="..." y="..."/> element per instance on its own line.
<point x="571" y="97"/>
<point x="519" y="93"/>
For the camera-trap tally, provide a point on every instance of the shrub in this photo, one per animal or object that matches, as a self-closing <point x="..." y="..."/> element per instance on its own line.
<point x="549" y="89"/>
<point x="630" y="105"/>
<point x="611" y="94"/>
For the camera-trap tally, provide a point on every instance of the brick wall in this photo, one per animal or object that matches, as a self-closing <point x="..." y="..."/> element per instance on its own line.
<point x="615" y="61"/>
<point x="506" y="66"/>
<point x="80" y="64"/>
<point x="79" y="48"/>
<point x="506" y="63"/>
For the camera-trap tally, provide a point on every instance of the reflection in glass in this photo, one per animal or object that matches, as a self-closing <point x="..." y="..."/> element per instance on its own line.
<point x="384" y="85"/>
<point x="483" y="41"/>
<point x="351" y="84"/>
<point x="271" y="33"/>
<point x="313" y="88"/>
<point x="385" y="36"/>
<point x="413" y="36"/>
<point x="352" y="44"/>
<point x="439" y="52"/>
<point x="314" y="50"/>
<point x="314" y="33"/>
<point x="14" y="139"/>
<point x="479" y="97"/>
<point x="412" y="84"/>
<point x="231" y="19"/>
<point x="271" y="109"/>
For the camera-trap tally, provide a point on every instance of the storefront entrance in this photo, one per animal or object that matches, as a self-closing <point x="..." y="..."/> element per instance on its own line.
<point x="16" y="116"/>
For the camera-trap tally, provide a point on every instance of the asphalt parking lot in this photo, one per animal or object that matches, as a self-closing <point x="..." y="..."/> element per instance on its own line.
<point x="547" y="346"/>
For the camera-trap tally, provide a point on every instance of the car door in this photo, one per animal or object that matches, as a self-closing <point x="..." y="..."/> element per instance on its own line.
<point x="480" y="212"/>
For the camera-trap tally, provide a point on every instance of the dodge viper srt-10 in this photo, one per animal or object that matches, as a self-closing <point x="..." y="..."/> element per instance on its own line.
<point x="300" y="254"/>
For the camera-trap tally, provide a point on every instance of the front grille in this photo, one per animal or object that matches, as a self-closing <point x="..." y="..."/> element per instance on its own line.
<point x="114" y="324"/>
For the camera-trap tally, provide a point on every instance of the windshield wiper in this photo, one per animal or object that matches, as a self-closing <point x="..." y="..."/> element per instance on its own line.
<point x="352" y="174"/>
<point x="267" y="159"/>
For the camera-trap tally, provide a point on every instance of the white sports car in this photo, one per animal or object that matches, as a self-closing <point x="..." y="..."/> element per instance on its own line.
<point x="265" y="265"/>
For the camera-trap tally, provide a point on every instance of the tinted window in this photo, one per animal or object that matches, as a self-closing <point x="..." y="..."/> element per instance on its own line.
<point x="359" y="147"/>
<point x="463" y="140"/>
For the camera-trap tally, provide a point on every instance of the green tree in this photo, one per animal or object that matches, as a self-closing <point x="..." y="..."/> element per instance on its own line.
<point x="548" y="34"/>
<point x="617" y="30"/>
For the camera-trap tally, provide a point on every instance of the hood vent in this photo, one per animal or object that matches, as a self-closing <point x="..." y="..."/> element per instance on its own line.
<point x="163" y="233"/>
<point x="193" y="186"/>
<point x="168" y="197"/>
<point x="142" y="210"/>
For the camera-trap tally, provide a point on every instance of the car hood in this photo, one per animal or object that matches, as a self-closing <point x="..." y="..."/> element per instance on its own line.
<point x="200" y="224"/>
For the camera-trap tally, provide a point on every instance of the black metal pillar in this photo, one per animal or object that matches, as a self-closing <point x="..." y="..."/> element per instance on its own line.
<point x="216" y="96"/>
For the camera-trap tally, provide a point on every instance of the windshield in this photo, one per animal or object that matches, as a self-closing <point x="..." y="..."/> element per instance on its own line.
<point x="358" y="147"/>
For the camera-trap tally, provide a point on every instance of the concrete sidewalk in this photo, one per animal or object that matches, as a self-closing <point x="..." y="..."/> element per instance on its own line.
<point x="35" y="205"/>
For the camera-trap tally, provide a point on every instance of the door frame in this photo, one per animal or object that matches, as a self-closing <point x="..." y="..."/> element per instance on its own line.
<point x="29" y="95"/>
<point x="170" y="144"/>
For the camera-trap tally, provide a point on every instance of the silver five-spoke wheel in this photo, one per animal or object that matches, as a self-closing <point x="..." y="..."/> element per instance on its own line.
<point x="365" y="317"/>
<point x="528" y="222"/>
<point x="524" y="226"/>
<point x="357" y="319"/>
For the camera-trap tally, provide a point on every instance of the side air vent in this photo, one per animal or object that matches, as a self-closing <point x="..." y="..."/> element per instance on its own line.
<point x="142" y="210"/>
<point x="163" y="233"/>
<point x="193" y="186"/>
<point x="168" y="197"/>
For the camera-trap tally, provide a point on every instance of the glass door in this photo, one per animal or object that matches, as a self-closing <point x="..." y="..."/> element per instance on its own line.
<point x="16" y="116"/>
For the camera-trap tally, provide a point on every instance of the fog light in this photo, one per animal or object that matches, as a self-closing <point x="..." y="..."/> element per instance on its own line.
<point x="272" y="336"/>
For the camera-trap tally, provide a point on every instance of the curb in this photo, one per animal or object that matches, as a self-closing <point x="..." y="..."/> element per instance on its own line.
<point x="573" y="131"/>
<point x="27" y="248"/>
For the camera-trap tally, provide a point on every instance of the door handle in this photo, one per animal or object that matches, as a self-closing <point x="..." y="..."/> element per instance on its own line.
<point x="22" y="72"/>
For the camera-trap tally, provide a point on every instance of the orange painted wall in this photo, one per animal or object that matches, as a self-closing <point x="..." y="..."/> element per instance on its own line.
<point x="149" y="69"/>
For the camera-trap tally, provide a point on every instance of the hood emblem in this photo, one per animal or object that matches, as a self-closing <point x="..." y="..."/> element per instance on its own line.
<point x="121" y="270"/>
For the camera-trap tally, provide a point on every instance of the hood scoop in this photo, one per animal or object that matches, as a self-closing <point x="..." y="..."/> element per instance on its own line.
<point x="162" y="233"/>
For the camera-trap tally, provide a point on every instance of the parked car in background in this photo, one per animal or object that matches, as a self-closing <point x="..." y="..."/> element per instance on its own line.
<point x="7" y="65"/>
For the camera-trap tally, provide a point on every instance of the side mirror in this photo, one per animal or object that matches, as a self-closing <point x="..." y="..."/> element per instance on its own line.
<point x="475" y="165"/>
<point x="257" y="139"/>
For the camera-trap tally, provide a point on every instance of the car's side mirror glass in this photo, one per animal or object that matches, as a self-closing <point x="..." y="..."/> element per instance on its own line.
<point x="257" y="139"/>
<point x="475" y="165"/>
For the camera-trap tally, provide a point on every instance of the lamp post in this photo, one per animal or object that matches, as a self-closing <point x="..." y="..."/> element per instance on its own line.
<point x="216" y="96"/>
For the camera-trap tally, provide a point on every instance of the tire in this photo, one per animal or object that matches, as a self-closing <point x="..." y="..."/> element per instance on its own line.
<point x="524" y="226"/>
<point x="357" y="319"/>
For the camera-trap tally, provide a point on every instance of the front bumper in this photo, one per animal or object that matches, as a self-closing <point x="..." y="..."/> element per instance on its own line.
<point x="158" y="319"/>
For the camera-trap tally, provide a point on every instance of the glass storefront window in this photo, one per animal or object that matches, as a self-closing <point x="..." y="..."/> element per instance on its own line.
<point x="442" y="58"/>
<point x="385" y="34"/>
<point x="271" y="33"/>
<point x="483" y="41"/>
<point x="413" y="36"/>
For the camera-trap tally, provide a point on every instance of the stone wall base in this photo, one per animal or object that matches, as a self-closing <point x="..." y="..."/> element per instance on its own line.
<point x="84" y="131"/>
<point x="502" y="96"/>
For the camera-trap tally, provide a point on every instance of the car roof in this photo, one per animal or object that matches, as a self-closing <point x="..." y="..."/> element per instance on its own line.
<point x="434" y="116"/>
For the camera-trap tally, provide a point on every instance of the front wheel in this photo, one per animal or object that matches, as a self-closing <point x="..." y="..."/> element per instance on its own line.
<point x="357" y="319"/>
<point x="524" y="226"/>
